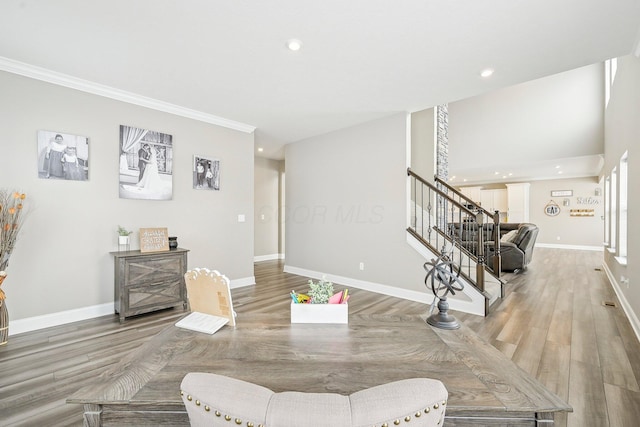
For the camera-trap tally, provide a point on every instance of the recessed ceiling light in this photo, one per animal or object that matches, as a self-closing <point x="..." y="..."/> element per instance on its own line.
<point x="558" y="167"/>
<point x="464" y="180"/>
<point x="510" y="173"/>
<point x="496" y="173"/>
<point x="504" y="176"/>
<point x="260" y="149"/>
<point x="560" y="172"/>
<point x="487" y="72"/>
<point x="294" y="45"/>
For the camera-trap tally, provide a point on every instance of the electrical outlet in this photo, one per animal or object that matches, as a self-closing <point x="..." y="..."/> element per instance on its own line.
<point x="624" y="281"/>
<point x="362" y="266"/>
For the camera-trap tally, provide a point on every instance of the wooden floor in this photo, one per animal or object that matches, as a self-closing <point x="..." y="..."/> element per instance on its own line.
<point x="552" y="323"/>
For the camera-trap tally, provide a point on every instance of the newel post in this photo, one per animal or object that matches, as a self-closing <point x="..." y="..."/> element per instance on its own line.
<point x="481" y="258"/>
<point x="497" y="258"/>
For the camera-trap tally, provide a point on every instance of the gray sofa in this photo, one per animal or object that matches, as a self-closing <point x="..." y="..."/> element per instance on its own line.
<point x="516" y="253"/>
<point x="216" y="400"/>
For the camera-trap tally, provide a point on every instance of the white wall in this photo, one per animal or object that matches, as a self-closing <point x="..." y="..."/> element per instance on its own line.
<point x="61" y="261"/>
<point x="346" y="203"/>
<point x="579" y="232"/>
<point x="565" y="229"/>
<point x="423" y="143"/>
<point x="622" y="133"/>
<point x="545" y="119"/>
<point x="268" y="184"/>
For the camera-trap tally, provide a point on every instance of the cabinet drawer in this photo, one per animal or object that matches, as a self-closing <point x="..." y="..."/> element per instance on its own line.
<point x="156" y="294"/>
<point x="157" y="269"/>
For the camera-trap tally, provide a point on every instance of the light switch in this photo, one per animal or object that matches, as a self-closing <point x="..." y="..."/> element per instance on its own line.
<point x="241" y="218"/>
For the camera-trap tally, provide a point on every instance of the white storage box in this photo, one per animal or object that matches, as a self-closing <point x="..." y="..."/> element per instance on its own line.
<point x="319" y="313"/>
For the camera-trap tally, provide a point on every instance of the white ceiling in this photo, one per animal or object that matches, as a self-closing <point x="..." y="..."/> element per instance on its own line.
<point x="361" y="59"/>
<point x="548" y="128"/>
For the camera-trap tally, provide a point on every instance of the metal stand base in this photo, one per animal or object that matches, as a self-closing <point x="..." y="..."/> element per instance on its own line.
<point x="443" y="320"/>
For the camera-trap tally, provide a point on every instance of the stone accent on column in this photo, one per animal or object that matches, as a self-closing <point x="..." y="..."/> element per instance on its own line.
<point x="442" y="142"/>
<point x="442" y="158"/>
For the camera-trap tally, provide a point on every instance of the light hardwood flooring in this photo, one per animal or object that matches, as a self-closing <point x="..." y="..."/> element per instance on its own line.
<point x="552" y="324"/>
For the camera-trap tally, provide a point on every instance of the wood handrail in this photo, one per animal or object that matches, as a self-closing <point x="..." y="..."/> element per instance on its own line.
<point x="480" y="217"/>
<point x="463" y="196"/>
<point x="441" y="193"/>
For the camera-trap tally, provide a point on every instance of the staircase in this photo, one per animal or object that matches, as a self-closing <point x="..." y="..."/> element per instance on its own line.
<point x="443" y="220"/>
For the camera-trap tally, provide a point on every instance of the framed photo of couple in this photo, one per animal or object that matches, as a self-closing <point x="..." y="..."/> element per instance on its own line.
<point x="206" y="173"/>
<point x="146" y="164"/>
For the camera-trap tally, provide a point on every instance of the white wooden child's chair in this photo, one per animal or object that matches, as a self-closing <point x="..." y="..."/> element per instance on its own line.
<point x="208" y="292"/>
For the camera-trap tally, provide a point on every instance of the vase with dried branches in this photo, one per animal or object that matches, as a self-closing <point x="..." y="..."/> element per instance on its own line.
<point x="11" y="219"/>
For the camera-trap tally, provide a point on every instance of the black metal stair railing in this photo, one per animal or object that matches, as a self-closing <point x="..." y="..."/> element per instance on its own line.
<point x="446" y="221"/>
<point x="493" y="218"/>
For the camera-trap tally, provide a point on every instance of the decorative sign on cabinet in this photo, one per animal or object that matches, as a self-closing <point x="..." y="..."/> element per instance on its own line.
<point x="145" y="282"/>
<point x="154" y="240"/>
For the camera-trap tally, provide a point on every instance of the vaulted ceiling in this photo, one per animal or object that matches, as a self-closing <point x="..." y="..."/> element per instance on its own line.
<point x="360" y="59"/>
<point x="549" y="128"/>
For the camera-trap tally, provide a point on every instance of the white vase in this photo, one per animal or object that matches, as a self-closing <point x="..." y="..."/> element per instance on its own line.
<point x="123" y="240"/>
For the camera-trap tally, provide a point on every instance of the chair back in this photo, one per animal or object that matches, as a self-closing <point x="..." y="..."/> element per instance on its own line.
<point x="213" y="400"/>
<point x="526" y="240"/>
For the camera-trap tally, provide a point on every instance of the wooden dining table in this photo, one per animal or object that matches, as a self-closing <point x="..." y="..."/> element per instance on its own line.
<point x="485" y="387"/>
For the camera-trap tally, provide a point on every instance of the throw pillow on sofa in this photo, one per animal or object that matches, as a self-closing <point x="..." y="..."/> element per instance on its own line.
<point x="508" y="237"/>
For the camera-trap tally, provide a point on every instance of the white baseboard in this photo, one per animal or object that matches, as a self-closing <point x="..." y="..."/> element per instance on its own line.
<point x="63" y="317"/>
<point x="239" y="283"/>
<point x="631" y="315"/>
<point x="60" y="318"/>
<point x="270" y="257"/>
<point x="576" y="247"/>
<point x="422" y="297"/>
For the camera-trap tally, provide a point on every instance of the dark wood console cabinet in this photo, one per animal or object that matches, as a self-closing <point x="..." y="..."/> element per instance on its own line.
<point x="151" y="281"/>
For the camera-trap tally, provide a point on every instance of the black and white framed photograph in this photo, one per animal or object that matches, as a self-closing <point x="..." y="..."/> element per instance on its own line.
<point x="63" y="156"/>
<point x="206" y="173"/>
<point x="146" y="164"/>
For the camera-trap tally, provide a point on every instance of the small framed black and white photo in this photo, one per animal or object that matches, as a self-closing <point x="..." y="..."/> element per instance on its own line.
<point x="63" y="156"/>
<point x="206" y="173"/>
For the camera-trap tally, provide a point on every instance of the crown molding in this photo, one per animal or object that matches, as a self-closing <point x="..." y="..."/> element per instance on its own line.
<point x="65" y="80"/>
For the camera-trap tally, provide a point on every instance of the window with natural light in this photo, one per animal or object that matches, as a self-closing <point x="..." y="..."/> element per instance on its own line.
<point x="613" y="203"/>
<point x="622" y="210"/>
<point x="607" y="210"/>
<point x="610" y="69"/>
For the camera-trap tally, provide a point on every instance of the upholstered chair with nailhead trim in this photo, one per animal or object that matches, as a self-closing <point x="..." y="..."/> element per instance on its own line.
<point x="214" y="400"/>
